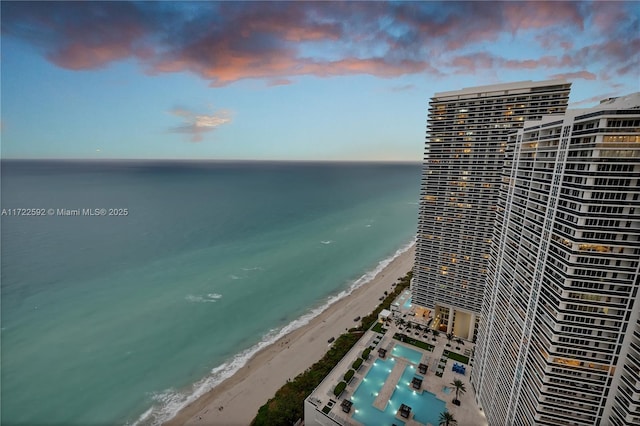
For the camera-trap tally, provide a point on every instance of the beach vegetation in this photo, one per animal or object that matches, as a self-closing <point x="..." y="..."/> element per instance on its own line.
<point x="365" y="353"/>
<point x="457" y="357"/>
<point x="447" y="419"/>
<point x="449" y="338"/>
<point x="403" y="283"/>
<point x="460" y="389"/>
<point x="357" y="363"/>
<point x="340" y="387"/>
<point x="415" y="342"/>
<point x="287" y="406"/>
<point x="378" y="328"/>
<point x="349" y="375"/>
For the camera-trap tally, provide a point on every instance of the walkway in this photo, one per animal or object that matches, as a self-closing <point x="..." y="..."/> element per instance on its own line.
<point x="389" y="386"/>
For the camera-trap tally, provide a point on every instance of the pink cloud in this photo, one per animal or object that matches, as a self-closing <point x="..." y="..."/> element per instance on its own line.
<point x="592" y="99"/>
<point x="82" y="36"/>
<point x="228" y="41"/>
<point x="472" y="62"/>
<point x="542" y="62"/>
<point x="542" y="14"/>
<point x="551" y="40"/>
<point x="77" y="56"/>
<point x="566" y="45"/>
<point x="197" y="124"/>
<point x="403" y="88"/>
<point x="290" y="24"/>
<point x="608" y="16"/>
<point x="585" y="75"/>
<point x="280" y="82"/>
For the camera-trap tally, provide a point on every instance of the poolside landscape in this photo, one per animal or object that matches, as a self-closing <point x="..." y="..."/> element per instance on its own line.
<point x="389" y="380"/>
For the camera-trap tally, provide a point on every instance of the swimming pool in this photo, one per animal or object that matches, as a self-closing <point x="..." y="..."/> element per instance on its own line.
<point x="407" y="303"/>
<point x="367" y="392"/>
<point x="425" y="406"/>
<point x="407" y="353"/>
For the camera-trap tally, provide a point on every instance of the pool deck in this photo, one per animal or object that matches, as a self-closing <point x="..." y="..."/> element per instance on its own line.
<point x="467" y="413"/>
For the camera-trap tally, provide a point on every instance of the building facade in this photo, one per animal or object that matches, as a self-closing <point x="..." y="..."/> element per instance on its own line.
<point x="559" y="343"/>
<point x="466" y="138"/>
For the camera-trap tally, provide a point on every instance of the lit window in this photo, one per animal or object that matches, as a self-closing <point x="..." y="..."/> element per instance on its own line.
<point x="594" y="247"/>
<point x="621" y="139"/>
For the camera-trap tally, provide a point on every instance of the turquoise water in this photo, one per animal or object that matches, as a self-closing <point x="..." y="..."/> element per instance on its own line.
<point x="425" y="406"/>
<point x="117" y="319"/>
<point x="407" y="303"/>
<point x="367" y="392"/>
<point x="407" y="353"/>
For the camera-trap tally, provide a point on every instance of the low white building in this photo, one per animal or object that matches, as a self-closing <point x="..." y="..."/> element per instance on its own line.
<point x="384" y="315"/>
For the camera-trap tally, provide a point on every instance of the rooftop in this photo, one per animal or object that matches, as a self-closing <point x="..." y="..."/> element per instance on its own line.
<point x="498" y="89"/>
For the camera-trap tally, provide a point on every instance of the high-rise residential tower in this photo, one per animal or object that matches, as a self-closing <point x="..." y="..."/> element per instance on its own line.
<point x="559" y="341"/>
<point x="466" y="137"/>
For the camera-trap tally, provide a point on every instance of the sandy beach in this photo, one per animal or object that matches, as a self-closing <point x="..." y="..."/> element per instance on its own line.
<point x="236" y="400"/>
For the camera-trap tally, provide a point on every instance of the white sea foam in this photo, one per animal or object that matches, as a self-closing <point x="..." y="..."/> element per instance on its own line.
<point x="144" y="416"/>
<point x="327" y="242"/>
<point x="170" y="402"/>
<point x="209" y="298"/>
<point x="256" y="268"/>
<point x="235" y="277"/>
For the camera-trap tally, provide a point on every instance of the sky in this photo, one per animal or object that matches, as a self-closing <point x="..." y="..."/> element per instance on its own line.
<point x="335" y="81"/>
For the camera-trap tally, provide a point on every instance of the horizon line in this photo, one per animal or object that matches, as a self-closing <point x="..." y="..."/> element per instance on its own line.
<point x="211" y="160"/>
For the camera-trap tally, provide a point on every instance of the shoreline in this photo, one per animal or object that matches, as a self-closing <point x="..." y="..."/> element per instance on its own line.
<point x="236" y="400"/>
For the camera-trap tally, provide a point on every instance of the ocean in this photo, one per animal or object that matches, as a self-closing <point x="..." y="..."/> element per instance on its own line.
<point x="132" y="287"/>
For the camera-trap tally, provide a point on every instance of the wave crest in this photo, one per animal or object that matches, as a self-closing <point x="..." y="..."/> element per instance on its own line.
<point x="209" y="298"/>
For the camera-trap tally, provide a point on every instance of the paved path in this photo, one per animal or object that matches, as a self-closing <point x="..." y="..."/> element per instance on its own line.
<point x="389" y="386"/>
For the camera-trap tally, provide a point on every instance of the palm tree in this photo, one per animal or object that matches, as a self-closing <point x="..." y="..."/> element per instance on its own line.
<point x="449" y="338"/>
<point x="460" y="389"/>
<point x="435" y="334"/>
<point x="446" y="419"/>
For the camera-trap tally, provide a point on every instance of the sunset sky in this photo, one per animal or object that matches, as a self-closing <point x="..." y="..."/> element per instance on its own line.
<point x="284" y="80"/>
